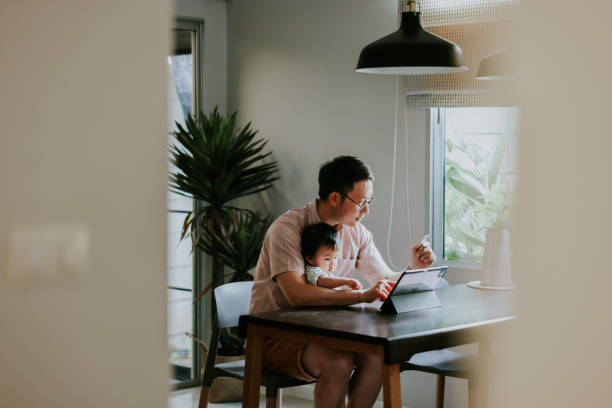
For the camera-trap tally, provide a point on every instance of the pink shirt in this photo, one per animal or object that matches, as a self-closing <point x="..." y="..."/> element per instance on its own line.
<point x="281" y="252"/>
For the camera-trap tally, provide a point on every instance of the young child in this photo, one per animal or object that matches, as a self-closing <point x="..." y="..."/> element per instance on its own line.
<point x="320" y="249"/>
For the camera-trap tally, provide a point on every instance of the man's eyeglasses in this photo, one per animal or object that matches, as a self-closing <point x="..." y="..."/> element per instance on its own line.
<point x="363" y="203"/>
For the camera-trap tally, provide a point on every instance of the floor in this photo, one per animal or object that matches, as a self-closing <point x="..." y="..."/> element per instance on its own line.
<point x="188" y="398"/>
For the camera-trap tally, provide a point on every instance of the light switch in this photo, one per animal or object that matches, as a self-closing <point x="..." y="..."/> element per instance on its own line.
<point x="45" y="253"/>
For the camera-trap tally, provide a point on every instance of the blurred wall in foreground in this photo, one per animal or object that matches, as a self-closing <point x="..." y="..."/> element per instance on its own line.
<point x="560" y="354"/>
<point x="83" y="143"/>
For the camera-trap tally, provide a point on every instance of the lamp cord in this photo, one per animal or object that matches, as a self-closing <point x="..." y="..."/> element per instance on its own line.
<point x="393" y="177"/>
<point x="408" y="214"/>
<point x="393" y="266"/>
<point x="411" y="7"/>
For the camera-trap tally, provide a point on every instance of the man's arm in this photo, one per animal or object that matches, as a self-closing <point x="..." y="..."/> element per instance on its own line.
<point x="300" y="293"/>
<point x="422" y="257"/>
<point x="371" y="265"/>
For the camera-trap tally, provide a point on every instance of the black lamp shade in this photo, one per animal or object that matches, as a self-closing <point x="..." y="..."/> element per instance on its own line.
<point x="498" y="66"/>
<point x="411" y="50"/>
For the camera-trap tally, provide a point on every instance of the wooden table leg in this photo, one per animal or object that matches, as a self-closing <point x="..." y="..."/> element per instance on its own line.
<point x="484" y="355"/>
<point x="252" y="369"/>
<point x="474" y="393"/>
<point x="392" y="392"/>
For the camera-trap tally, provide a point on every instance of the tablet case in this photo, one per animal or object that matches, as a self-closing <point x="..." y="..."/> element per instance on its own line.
<point x="409" y="302"/>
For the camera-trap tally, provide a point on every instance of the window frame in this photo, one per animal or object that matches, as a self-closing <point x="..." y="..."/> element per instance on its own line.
<point x="437" y="174"/>
<point x="200" y="325"/>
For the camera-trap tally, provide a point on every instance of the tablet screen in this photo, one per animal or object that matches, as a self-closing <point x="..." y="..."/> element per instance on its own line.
<point x="418" y="280"/>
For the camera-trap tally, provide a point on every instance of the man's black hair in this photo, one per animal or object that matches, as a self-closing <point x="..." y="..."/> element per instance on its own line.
<point x="315" y="236"/>
<point x="339" y="175"/>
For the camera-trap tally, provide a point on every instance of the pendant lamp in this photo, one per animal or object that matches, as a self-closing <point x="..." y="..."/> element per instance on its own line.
<point x="411" y="50"/>
<point x="498" y="66"/>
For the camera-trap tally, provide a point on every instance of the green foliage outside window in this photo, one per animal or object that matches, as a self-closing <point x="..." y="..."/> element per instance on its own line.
<point x="477" y="192"/>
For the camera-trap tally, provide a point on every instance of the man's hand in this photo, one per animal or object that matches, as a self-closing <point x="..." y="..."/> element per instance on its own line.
<point x="422" y="256"/>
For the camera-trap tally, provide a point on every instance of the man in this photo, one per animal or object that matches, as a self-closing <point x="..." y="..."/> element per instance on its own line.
<point x="345" y="196"/>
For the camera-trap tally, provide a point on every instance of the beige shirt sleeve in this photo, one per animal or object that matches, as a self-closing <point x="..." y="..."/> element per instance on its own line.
<point x="284" y="249"/>
<point x="370" y="263"/>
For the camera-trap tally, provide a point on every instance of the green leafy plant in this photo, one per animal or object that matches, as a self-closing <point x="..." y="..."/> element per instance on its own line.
<point x="217" y="163"/>
<point x="240" y="251"/>
<point x="494" y="211"/>
<point x="242" y="244"/>
<point x="477" y="194"/>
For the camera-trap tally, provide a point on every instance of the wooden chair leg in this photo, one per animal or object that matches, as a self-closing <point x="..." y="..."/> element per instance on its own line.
<point x="203" y="397"/>
<point x="343" y="405"/>
<point x="273" y="399"/>
<point x="440" y="382"/>
<point x="252" y="368"/>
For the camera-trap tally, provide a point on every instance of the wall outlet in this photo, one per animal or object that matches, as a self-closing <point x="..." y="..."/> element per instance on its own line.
<point x="46" y="253"/>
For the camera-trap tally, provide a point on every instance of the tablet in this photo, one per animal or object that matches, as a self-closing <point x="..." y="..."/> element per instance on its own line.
<point x="417" y="280"/>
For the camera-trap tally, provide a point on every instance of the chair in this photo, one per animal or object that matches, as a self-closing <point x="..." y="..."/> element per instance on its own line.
<point x="446" y="363"/>
<point x="232" y="300"/>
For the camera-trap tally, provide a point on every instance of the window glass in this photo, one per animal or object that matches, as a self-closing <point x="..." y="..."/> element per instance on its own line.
<point x="179" y="256"/>
<point x="479" y="175"/>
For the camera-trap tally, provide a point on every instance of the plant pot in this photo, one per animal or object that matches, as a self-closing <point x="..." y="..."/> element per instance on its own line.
<point x="225" y="389"/>
<point x="496" y="262"/>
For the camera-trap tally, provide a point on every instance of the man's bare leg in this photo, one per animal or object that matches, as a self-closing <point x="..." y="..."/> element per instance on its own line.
<point x="333" y="369"/>
<point x="366" y="381"/>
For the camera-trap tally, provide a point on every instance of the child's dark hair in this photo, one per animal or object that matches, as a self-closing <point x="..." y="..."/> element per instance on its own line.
<point x="319" y="235"/>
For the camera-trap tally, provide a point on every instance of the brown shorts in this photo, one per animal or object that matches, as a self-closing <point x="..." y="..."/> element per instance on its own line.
<point x="285" y="357"/>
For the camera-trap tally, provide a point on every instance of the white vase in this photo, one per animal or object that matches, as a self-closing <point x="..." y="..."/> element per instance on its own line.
<point x="496" y="262"/>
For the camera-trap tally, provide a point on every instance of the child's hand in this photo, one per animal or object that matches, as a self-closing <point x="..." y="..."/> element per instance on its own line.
<point x="380" y="290"/>
<point x="384" y="288"/>
<point x="353" y="283"/>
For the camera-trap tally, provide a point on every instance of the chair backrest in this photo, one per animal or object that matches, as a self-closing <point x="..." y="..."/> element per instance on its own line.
<point x="232" y="301"/>
<point x="442" y="283"/>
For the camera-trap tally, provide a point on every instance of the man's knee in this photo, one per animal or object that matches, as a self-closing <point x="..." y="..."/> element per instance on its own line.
<point x="320" y="360"/>
<point x="372" y="361"/>
<point x="341" y="362"/>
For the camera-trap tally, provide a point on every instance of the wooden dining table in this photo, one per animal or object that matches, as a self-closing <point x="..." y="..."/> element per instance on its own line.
<point x="466" y="315"/>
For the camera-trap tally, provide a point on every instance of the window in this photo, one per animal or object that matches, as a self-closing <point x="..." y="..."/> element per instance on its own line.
<point x="473" y="177"/>
<point x="180" y="260"/>
<point x="184" y="266"/>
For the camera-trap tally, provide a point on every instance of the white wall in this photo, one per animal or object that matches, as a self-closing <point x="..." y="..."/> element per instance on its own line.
<point x="83" y="125"/>
<point x="291" y="72"/>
